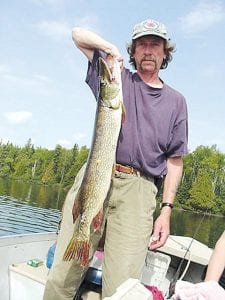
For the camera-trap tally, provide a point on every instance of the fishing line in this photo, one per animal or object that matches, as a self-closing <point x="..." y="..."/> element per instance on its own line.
<point x="177" y="274"/>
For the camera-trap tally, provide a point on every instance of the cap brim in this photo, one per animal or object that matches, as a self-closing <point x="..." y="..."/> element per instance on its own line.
<point x="148" y="33"/>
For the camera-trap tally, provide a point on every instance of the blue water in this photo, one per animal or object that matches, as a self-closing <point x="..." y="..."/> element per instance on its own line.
<point x="19" y="218"/>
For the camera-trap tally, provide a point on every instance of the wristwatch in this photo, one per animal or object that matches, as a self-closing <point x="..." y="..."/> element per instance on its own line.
<point x="163" y="204"/>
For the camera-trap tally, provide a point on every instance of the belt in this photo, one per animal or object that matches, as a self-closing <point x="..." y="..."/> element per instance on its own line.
<point x="130" y="170"/>
<point x="126" y="169"/>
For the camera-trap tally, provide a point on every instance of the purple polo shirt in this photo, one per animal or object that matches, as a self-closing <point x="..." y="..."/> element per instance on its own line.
<point x="155" y="125"/>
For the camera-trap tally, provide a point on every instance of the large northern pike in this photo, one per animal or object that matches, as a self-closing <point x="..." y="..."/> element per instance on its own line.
<point x="88" y="205"/>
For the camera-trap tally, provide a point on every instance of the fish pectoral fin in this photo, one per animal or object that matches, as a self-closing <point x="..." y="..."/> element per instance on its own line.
<point x="97" y="221"/>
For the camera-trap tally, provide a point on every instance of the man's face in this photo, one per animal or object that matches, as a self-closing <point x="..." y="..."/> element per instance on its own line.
<point x="149" y="54"/>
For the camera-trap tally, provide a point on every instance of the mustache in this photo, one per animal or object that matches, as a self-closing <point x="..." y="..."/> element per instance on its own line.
<point x="148" y="58"/>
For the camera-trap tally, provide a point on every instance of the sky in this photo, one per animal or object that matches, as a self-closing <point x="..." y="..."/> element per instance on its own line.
<point x="43" y="93"/>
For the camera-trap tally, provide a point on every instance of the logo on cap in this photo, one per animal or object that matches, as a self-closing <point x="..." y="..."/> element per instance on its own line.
<point x="149" y="27"/>
<point x="151" y="24"/>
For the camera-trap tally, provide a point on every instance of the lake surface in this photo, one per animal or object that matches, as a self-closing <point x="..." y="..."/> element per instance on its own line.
<point x="31" y="208"/>
<point x="33" y="194"/>
<point x="18" y="218"/>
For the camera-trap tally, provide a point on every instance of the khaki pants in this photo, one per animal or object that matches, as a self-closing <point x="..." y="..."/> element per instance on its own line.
<point x="128" y="212"/>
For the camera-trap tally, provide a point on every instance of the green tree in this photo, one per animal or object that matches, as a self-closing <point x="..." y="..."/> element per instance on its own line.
<point x="72" y="167"/>
<point x="201" y="193"/>
<point x="78" y="163"/>
<point x="49" y="174"/>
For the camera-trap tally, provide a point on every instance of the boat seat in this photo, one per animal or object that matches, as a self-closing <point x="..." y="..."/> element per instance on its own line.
<point x="27" y="282"/>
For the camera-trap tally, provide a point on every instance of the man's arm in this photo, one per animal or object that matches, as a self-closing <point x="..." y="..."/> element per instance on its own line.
<point x="87" y="41"/>
<point x="162" y="224"/>
<point x="217" y="260"/>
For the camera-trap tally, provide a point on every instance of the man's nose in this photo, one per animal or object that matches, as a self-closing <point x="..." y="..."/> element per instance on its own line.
<point x="148" y="49"/>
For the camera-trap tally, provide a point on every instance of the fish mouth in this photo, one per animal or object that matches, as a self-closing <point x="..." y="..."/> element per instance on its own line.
<point x="104" y="70"/>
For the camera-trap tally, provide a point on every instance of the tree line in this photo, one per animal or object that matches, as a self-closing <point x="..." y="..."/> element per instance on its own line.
<point x="41" y="165"/>
<point x="202" y="186"/>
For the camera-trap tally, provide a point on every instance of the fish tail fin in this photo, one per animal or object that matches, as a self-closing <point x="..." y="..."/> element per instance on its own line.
<point x="78" y="249"/>
<point x="97" y="221"/>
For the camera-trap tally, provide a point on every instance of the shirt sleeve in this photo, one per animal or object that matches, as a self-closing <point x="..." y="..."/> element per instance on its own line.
<point x="179" y="141"/>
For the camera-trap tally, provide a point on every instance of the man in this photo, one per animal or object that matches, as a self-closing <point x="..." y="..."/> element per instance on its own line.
<point x="151" y="144"/>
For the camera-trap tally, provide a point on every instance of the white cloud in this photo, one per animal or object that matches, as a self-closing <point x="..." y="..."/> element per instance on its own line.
<point x="35" y="80"/>
<point x="42" y="78"/>
<point x="89" y="22"/>
<point x="7" y="74"/>
<point x="54" y="29"/>
<point x="78" y="136"/>
<point x="18" y="117"/>
<point x="64" y="143"/>
<point x="203" y="16"/>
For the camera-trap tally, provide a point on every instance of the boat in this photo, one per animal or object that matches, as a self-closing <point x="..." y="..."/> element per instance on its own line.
<point x="18" y="280"/>
<point x="23" y="270"/>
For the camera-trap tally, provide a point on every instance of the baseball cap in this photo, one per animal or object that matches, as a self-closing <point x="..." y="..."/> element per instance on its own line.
<point x="149" y="27"/>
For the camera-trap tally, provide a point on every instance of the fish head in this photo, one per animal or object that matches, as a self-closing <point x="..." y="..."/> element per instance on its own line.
<point x="110" y="90"/>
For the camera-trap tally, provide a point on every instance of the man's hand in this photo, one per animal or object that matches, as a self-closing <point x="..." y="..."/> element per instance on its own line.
<point x="161" y="229"/>
<point x="114" y="52"/>
<point x="162" y="223"/>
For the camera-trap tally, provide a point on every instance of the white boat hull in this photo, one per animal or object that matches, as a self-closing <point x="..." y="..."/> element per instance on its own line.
<point x="18" y="281"/>
<point x="18" y="249"/>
